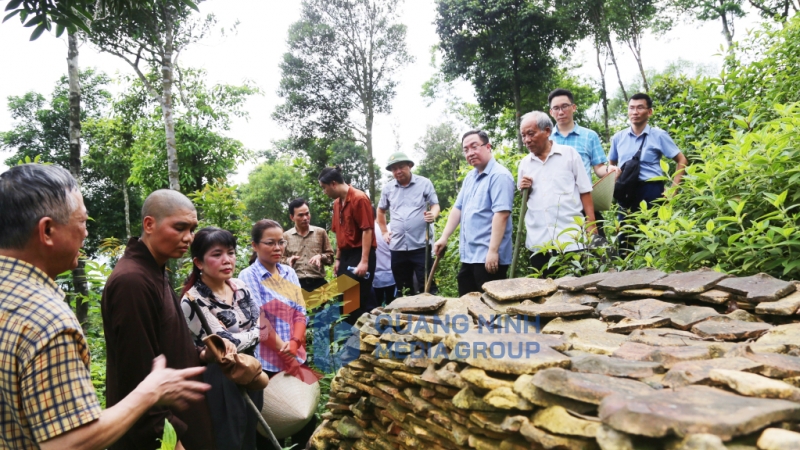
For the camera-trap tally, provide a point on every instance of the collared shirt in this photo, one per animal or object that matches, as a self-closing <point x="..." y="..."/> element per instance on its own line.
<point x="351" y="220"/>
<point x="45" y="382"/>
<point x="586" y="142"/>
<point x="237" y="322"/>
<point x="383" y="260"/>
<point x="281" y="302"/>
<point x="315" y="242"/>
<point x="481" y="196"/>
<point x="407" y="206"/>
<point x="555" y="197"/>
<point x="625" y="144"/>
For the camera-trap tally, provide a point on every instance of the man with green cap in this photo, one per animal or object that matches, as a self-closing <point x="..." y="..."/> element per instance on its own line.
<point x="407" y="199"/>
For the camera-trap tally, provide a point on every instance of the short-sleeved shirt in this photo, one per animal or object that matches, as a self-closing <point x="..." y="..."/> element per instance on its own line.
<point x="350" y="221"/>
<point x="45" y="382"/>
<point x="555" y="197"/>
<point x="481" y="196"/>
<point x="407" y="206"/>
<point x="315" y="242"/>
<point x="586" y="142"/>
<point x="281" y="302"/>
<point x="237" y="322"/>
<point x="383" y="261"/>
<point x="625" y="144"/>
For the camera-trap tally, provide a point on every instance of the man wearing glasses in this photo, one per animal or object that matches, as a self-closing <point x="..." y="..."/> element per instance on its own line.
<point x="483" y="209"/>
<point x="309" y="249"/>
<point x="654" y="144"/>
<point x="584" y="140"/>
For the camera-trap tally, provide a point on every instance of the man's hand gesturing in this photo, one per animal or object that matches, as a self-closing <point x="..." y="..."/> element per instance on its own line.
<point x="173" y="387"/>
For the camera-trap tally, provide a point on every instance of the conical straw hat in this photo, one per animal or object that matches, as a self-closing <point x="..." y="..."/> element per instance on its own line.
<point x="603" y="192"/>
<point x="289" y="403"/>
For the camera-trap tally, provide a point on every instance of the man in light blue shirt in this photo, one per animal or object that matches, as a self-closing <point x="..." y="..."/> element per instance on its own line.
<point x="483" y="209"/>
<point x="654" y="143"/>
<point x="584" y="140"/>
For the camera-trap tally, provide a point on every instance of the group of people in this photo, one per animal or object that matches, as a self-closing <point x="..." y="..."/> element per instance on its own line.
<point x="158" y="368"/>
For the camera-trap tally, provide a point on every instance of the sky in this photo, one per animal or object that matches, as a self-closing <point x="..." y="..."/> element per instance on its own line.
<point x="255" y="52"/>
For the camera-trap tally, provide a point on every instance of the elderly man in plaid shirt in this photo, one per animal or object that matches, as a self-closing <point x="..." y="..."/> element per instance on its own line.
<point x="47" y="399"/>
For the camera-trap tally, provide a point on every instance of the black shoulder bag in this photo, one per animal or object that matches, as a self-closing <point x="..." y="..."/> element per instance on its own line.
<point x="627" y="184"/>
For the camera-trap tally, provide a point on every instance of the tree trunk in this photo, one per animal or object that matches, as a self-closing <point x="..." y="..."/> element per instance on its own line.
<point x="79" y="273"/>
<point x="726" y="31"/>
<point x="603" y="92"/>
<point x="127" y="211"/>
<point x="369" y="121"/>
<point x="167" y="80"/>
<point x="635" y="44"/>
<point x="610" y="48"/>
<point x="518" y="115"/>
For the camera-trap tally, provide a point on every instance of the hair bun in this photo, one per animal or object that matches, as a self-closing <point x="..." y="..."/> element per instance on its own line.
<point x="337" y="168"/>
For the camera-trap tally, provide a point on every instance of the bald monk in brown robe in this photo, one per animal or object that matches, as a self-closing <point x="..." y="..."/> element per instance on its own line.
<point x="142" y="319"/>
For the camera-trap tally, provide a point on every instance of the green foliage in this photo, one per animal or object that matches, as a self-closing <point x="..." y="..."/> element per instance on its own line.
<point x="270" y="188"/>
<point x="736" y="211"/>
<point x="169" y="440"/>
<point x="443" y="162"/>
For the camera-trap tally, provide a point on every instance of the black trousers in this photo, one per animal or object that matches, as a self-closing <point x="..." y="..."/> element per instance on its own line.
<point x="406" y="264"/>
<point x="299" y="439"/>
<point x="311" y="284"/>
<point x="540" y="260"/>
<point x="234" y="423"/>
<point x="472" y="276"/>
<point x="385" y="295"/>
<point x="350" y="258"/>
<point x="649" y="192"/>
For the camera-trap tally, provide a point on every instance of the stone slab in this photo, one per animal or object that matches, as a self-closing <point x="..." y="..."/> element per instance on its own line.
<point x="615" y="367"/>
<point x="526" y="389"/>
<point x="753" y="385"/>
<point x="596" y="342"/>
<point x="642" y="293"/>
<point x="743" y="315"/>
<point x="636" y="309"/>
<point x="508" y="353"/>
<point x="562" y="326"/>
<point x="694" y="372"/>
<point x="778" y="439"/>
<point x="683" y="317"/>
<point x="417" y="303"/>
<point x="757" y="288"/>
<point x="784" y="307"/>
<point x="714" y="296"/>
<point x="690" y="283"/>
<point x="633" y="279"/>
<point x="556" y="419"/>
<point x="666" y="356"/>
<point x="580" y="284"/>
<point x="627" y="324"/>
<point x="788" y="334"/>
<point x="578" y="298"/>
<point x="498" y="306"/>
<point x="552" y="310"/>
<point x="775" y="365"/>
<point x="586" y="387"/>
<point x="519" y="288"/>
<point x="548" y="441"/>
<point x="728" y="329"/>
<point x="691" y="410"/>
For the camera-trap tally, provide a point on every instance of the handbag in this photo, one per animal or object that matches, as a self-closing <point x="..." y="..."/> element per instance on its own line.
<point x="627" y="184"/>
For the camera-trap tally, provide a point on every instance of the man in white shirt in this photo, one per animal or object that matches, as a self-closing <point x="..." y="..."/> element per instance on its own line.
<point x="560" y="192"/>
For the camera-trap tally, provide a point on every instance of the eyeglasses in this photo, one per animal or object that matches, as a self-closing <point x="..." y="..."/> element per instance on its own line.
<point x="272" y="244"/>
<point x="563" y="107"/>
<point x="472" y="148"/>
<point x="640" y="108"/>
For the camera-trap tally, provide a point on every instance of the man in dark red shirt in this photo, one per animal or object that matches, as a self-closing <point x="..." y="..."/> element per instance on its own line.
<point x="353" y="223"/>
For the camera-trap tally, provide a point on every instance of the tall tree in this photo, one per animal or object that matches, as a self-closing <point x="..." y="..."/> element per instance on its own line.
<point x="706" y="10"/>
<point x="630" y="19"/>
<point x="154" y="37"/>
<point x="780" y="9"/>
<point x="340" y="70"/>
<point x="503" y="47"/>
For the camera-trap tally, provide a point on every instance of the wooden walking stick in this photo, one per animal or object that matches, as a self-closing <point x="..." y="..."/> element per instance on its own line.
<point x="433" y="271"/>
<point x="520" y="232"/>
<point x="247" y="399"/>
<point x="427" y="252"/>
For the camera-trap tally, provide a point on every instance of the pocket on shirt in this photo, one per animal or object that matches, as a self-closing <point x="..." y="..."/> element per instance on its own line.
<point x="651" y="156"/>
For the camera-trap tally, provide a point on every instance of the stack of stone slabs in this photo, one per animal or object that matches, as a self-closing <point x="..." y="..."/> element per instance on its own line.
<point x="629" y="360"/>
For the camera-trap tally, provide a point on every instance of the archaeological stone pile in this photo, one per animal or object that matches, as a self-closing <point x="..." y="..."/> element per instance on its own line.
<point x="628" y="360"/>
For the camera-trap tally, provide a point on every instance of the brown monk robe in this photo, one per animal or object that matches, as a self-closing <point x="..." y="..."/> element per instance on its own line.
<point x="142" y="319"/>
